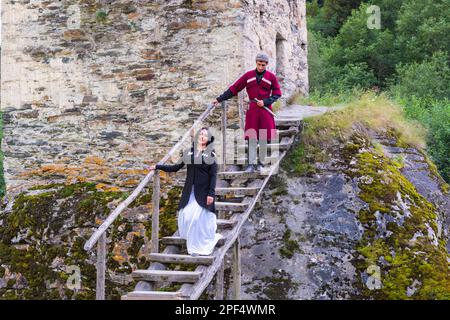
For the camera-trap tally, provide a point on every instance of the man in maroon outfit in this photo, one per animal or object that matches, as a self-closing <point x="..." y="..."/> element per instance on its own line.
<point x="263" y="89"/>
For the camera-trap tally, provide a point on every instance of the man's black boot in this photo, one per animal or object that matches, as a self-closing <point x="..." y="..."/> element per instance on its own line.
<point x="250" y="168"/>
<point x="251" y="156"/>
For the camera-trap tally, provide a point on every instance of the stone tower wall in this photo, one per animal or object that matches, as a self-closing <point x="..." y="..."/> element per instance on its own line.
<point x="96" y="90"/>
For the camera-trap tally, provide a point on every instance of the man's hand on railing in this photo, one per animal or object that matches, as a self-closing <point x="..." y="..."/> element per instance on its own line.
<point x="152" y="167"/>
<point x="209" y="200"/>
<point x="215" y="102"/>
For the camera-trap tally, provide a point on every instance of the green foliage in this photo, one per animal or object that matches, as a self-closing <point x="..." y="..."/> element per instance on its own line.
<point x="409" y="57"/>
<point x="435" y="115"/>
<point x="428" y="80"/>
<point x="331" y="16"/>
<point x="330" y="98"/>
<point x="101" y="16"/>
<point x="423" y="28"/>
<point x="372" y="49"/>
<point x="423" y="89"/>
<point x="389" y="10"/>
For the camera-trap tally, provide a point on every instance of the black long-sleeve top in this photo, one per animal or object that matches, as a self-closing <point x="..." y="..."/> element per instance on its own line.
<point x="201" y="172"/>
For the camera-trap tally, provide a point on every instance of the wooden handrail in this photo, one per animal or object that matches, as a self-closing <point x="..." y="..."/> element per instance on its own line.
<point x="124" y="204"/>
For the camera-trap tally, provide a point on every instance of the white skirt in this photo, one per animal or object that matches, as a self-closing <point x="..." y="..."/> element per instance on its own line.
<point x="198" y="226"/>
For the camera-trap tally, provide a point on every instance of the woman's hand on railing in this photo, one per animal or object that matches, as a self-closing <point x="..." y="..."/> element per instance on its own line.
<point x="152" y="167"/>
<point x="215" y="102"/>
<point x="209" y="200"/>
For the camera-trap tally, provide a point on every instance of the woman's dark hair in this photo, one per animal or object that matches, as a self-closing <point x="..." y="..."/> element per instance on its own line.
<point x="197" y="134"/>
<point x="209" y="145"/>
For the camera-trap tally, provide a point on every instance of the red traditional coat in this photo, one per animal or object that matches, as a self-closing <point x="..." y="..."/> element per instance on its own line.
<point x="259" y="123"/>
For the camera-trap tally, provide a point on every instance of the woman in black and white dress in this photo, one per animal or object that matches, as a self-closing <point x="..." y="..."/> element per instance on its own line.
<point x="196" y="215"/>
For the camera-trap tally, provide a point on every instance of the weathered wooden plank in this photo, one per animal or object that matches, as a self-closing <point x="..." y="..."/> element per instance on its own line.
<point x="236" y="269"/>
<point x="152" y="286"/>
<point x="101" y="267"/>
<point x="287" y="122"/>
<point x="166" y="275"/>
<point x="269" y="146"/>
<point x="221" y="223"/>
<point x="152" y="295"/>
<point x="219" y="290"/>
<point x="269" y="159"/>
<point x="155" y="215"/>
<point x="230" y="206"/>
<point x="180" y="258"/>
<point x="236" y="191"/>
<point x="178" y="241"/>
<point x="224" y="136"/>
<point x="287" y="132"/>
<point x="230" y="175"/>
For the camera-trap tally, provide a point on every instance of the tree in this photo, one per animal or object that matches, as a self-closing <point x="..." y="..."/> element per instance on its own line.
<point x="357" y="44"/>
<point x="423" y="28"/>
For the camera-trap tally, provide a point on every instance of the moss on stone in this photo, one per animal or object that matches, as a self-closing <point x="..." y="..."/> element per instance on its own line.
<point x="405" y="261"/>
<point x="36" y="221"/>
<point x="290" y="246"/>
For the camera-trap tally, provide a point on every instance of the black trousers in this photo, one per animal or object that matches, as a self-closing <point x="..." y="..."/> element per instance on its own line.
<point x="253" y="151"/>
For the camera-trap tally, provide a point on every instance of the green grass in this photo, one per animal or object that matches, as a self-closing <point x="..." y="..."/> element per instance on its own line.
<point x="327" y="99"/>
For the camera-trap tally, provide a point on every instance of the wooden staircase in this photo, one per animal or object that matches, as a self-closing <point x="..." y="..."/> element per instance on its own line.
<point x="173" y="274"/>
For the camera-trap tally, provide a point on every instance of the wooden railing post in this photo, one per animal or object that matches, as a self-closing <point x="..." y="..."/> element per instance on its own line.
<point x="155" y="215"/>
<point x="218" y="295"/>
<point x="101" y="267"/>
<point x="241" y="111"/>
<point x="224" y="135"/>
<point x="236" y="270"/>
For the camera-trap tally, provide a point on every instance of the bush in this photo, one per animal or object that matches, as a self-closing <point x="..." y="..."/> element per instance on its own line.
<point x="422" y="28"/>
<point x="435" y="116"/>
<point x="429" y="80"/>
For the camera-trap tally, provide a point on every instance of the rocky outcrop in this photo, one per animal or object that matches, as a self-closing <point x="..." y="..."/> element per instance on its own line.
<point x="361" y="215"/>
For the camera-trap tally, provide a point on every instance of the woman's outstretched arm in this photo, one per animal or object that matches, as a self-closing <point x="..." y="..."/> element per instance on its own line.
<point x="170" y="168"/>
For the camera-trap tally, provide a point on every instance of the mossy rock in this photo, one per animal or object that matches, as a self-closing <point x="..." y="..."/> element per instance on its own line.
<point x="47" y="228"/>
<point x="406" y="263"/>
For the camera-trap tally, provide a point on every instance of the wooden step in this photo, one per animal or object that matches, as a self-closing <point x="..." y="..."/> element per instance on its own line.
<point x="221" y="223"/>
<point x="152" y="295"/>
<point x="167" y="275"/>
<point x="231" y="175"/>
<point x="178" y="241"/>
<point x="269" y="159"/>
<point x="180" y="258"/>
<point x="230" y="206"/>
<point x="288" y="132"/>
<point x="270" y="146"/>
<point x="237" y="191"/>
<point x="280" y="122"/>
